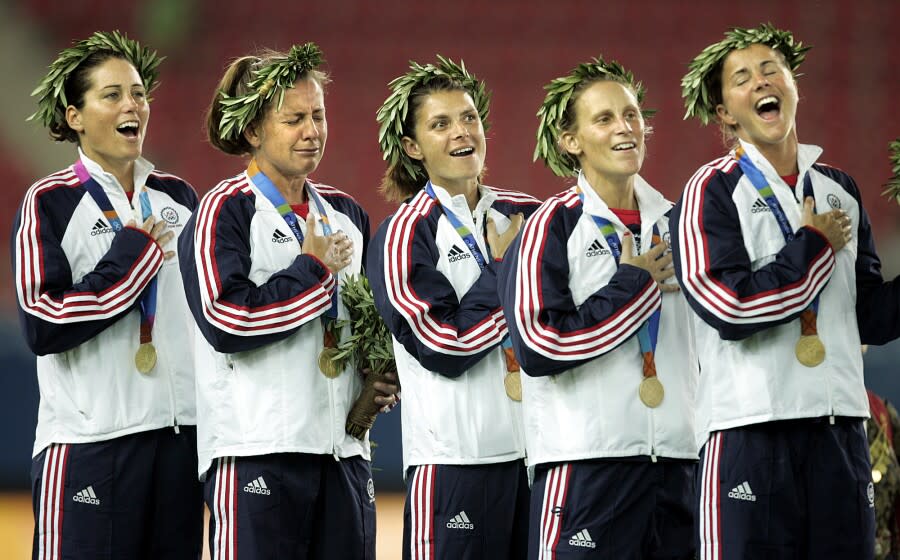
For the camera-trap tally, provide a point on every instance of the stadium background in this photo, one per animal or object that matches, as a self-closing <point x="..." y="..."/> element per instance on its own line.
<point x="850" y="89"/>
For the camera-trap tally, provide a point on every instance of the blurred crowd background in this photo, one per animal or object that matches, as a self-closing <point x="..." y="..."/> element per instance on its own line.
<point x="850" y="93"/>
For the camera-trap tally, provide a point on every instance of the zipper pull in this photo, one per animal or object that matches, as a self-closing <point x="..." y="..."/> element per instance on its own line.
<point x="653" y="457"/>
<point x="831" y="419"/>
<point x="177" y="430"/>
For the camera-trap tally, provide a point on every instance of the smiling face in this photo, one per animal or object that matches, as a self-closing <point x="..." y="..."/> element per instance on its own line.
<point x="449" y="140"/>
<point x="759" y="97"/>
<point x="112" y="121"/>
<point x="289" y="142"/>
<point x="608" y="133"/>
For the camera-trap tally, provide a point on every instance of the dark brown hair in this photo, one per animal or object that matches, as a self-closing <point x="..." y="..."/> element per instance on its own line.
<point x="77" y="84"/>
<point x="397" y="184"/>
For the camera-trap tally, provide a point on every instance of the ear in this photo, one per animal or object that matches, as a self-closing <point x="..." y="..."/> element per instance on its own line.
<point x="569" y="142"/>
<point x="73" y="119"/>
<point x="724" y="115"/>
<point x="252" y="136"/>
<point x="411" y="147"/>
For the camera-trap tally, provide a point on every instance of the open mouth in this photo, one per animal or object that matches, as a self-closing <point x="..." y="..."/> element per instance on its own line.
<point x="768" y="107"/>
<point x="462" y="152"/>
<point x="624" y="146"/>
<point x="129" y="129"/>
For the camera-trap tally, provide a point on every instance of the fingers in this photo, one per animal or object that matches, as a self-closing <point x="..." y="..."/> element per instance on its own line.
<point x="809" y="204"/>
<point x="385" y="402"/>
<point x="657" y="251"/>
<point x="310" y="225"/>
<point x="385" y="388"/>
<point x="168" y="255"/>
<point x="165" y="238"/>
<point x="157" y="229"/>
<point x="516" y="221"/>
<point x="627" y="244"/>
<point x="148" y="224"/>
<point x="491" y="230"/>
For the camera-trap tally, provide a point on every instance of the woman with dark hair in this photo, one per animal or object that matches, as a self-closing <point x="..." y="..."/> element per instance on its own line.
<point x="102" y="305"/>
<point x="775" y="254"/>
<point x="270" y="247"/>
<point x="603" y="335"/>
<point x="433" y="273"/>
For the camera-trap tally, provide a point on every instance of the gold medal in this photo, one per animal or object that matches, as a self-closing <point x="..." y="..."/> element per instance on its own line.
<point x="513" y="384"/>
<point x="326" y="363"/>
<point x="809" y="350"/>
<point x="145" y="357"/>
<point x="651" y="392"/>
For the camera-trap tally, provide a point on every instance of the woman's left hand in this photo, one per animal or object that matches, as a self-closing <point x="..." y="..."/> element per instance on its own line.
<point x="387" y="395"/>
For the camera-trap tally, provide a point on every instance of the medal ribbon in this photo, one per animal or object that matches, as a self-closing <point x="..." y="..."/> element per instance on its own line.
<point x="759" y="182"/>
<point x="648" y="334"/>
<point x="271" y="192"/>
<point x="148" y="300"/>
<point x="469" y="239"/>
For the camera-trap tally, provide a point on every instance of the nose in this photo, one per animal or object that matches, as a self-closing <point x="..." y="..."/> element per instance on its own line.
<point x="311" y="130"/>
<point x="625" y="126"/>
<point x="761" y="80"/>
<point x="131" y="102"/>
<point x="461" y="130"/>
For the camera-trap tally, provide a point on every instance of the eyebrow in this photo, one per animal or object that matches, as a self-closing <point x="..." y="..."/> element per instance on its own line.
<point x="119" y="86"/>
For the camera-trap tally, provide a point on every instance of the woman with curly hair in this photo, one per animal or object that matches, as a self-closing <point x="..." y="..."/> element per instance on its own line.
<point x="433" y="271"/>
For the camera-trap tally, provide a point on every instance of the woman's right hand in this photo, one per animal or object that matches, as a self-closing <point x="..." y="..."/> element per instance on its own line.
<point x="657" y="261"/>
<point x="157" y="230"/>
<point x="335" y="250"/>
<point x="834" y="225"/>
<point x="499" y="243"/>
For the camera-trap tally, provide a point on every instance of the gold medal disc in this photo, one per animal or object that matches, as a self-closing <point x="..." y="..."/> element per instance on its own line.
<point x="651" y="392"/>
<point x="513" y="384"/>
<point x="326" y="363"/>
<point x="145" y="357"/>
<point x="810" y="351"/>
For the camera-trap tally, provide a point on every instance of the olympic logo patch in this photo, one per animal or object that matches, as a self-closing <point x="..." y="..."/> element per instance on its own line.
<point x="870" y="492"/>
<point x="833" y="201"/>
<point x="370" y="488"/>
<point x="169" y="215"/>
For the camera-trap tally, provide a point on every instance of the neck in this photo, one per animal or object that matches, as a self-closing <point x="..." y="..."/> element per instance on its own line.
<point x="467" y="188"/>
<point x="291" y="188"/>
<point x="123" y="171"/>
<point x="616" y="192"/>
<point x="782" y="156"/>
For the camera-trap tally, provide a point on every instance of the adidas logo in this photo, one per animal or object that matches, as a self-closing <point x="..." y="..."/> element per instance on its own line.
<point x="280" y="237"/>
<point x="596" y="249"/>
<point x="759" y="206"/>
<point x="461" y="521"/>
<point x="257" y="486"/>
<point x="87" y="496"/>
<point x="457" y="254"/>
<point x="100" y="227"/>
<point x="742" y="492"/>
<point x="583" y="539"/>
